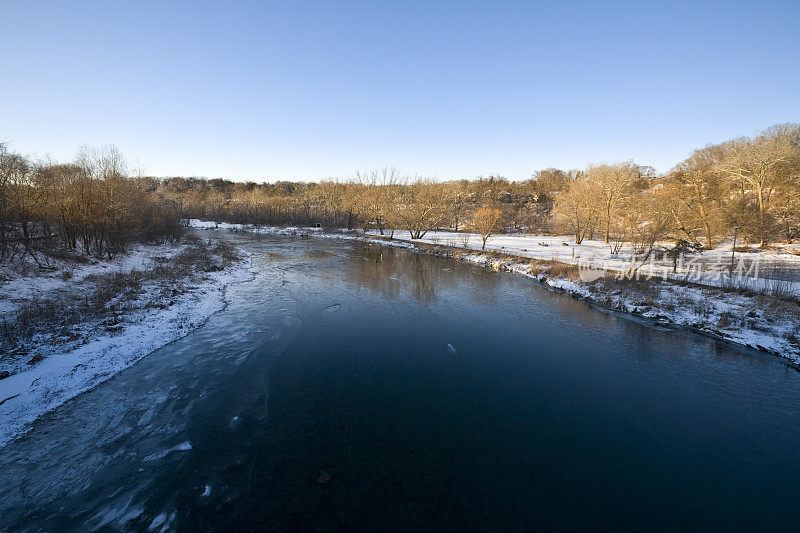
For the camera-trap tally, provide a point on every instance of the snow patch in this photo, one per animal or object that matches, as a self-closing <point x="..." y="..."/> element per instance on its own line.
<point x="63" y="375"/>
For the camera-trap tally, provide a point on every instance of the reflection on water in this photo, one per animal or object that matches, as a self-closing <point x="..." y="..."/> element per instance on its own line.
<point x="351" y="386"/>
<point x="391" y="272"/>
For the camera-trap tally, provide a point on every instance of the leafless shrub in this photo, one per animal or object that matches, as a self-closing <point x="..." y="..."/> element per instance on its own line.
<point x="793" y="335"/>
<point x="642" y="291"/>
<point x="725" y="320"/>
<point x="775" y="288"/>
<point x="780" y="289"/>
<point x="67" y="314"/>
<point x="561" y="270"/>
<point x="702" y="308"/>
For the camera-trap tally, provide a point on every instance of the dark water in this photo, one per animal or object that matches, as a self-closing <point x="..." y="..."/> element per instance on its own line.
<point x="334" y="362"/>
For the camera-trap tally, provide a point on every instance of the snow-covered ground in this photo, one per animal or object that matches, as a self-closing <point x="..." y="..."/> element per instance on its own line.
<point x="706" y="304"/>
<point x="754" y="269"/>
<point x="166" y="311"/>
<point x="18" y="289"/>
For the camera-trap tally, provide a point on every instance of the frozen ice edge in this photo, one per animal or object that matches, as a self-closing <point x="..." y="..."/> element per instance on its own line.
<point x="60" y="377"/>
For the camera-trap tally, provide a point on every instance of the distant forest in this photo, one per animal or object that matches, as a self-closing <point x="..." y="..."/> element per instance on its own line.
<point x="95" y="206"/>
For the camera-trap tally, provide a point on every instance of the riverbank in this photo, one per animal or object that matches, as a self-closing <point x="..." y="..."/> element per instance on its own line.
<point x="68" y="330"/>
<point x="754" y="267"/>
<point x="346" y="358"/>
<point x="764" y="320"/>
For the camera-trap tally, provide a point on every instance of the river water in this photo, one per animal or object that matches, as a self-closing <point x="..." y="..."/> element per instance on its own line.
<point x="353" y="386"/>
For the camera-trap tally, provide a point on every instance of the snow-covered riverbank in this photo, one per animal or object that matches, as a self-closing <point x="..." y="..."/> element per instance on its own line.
<point x="755" y="320"/>
<point x="49" y="369"/>
<point x="754" y="268"/>
<point x="763" y="321"/>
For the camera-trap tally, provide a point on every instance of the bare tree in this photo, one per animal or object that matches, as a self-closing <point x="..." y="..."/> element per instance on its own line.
<point x="374" y="194"/>
<point x="214" y="203"/>
<point x="92" y="202"/>
<point x="486" y="221"/>
<point x="698" y="190"/>
<point x="649" y="221"/>
<point x="576" y="207"/>
<point x="610" y="186"/>
<point x="420" y="207"/>
<point x="761" y="166"/>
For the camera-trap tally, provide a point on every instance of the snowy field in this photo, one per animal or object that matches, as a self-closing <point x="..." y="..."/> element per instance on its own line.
<point x="756" y="269"/>
<point x="50" y="371"/>
<point x="765" y="322"/>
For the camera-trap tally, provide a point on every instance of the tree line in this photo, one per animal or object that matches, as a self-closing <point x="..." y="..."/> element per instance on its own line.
<point x="752" y="183"/>
<point x="91" y="206"/>
<point x="95" y="206"/>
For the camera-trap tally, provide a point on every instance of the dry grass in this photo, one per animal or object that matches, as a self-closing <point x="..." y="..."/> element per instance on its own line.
<point x="559" y="270"/>
<point x="774" y="288"/>
<point x="109" y="296"/>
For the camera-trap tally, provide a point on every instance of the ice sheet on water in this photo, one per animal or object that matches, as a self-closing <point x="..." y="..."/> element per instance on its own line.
<point x="119" y="514"/>
<point x="242" y="358"/>
<point x="182" y="447"/>
<point x="161" y="522"/>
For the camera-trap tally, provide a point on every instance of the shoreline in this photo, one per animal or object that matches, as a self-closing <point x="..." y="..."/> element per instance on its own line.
<point x="64" y="374"/>
<point x="734" y="318"/>
<point x="577" y="290"/>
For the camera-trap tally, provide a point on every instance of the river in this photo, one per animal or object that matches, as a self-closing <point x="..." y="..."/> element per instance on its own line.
<point x="353" y="386"/>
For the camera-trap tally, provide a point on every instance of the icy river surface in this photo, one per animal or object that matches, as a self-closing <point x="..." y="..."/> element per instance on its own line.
<point x="354" y="387"/>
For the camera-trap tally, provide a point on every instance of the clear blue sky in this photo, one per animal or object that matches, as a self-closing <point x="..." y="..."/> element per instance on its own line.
<point x="310" y="90"/>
